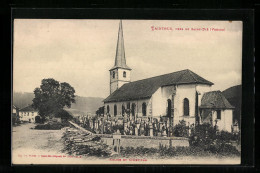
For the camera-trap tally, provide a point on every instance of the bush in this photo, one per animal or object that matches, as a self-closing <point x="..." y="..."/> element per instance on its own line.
<point x="167" y="151"/>
<point x="51" y="126"/>
<point x="203" y="136"/>
<point x="38" y="119"/>
<point x="227" y="137"/>
<point x="223" y="149"/>
<point x="181" y="130"/>
<point x="48" y="127"/>
<point x="65" y="115"/>
<point x="190" y="151"/>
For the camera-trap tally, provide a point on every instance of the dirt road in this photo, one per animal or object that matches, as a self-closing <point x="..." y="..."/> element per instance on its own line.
<point x="27" y="141"/>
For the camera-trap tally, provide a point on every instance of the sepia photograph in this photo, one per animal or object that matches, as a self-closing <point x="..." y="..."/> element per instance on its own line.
<point x="126" y="92"/>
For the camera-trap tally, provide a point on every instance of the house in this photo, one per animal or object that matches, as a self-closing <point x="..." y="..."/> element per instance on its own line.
<point x="28" y="114"/>
<point x="15" y="110"/>
<point x="216" y="110"/>
<point x="181" y="95"/>
<point x="15" y="114"/>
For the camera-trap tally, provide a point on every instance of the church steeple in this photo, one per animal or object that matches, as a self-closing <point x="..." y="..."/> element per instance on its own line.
<point x="120" y="72"/>
<point x="120" y="60"/>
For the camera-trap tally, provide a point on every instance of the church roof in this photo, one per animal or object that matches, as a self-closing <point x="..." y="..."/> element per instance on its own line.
<point x="215" y="100"/>
<point x="120" y="61"/>
<point x="27" y="109"/>
<point x="145" y="88"/>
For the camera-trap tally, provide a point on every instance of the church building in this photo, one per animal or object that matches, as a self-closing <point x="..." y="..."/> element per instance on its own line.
<point x="181" y="95"/>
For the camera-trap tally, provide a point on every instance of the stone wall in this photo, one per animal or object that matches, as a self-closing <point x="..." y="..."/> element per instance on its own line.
<point x="145" y="141"/>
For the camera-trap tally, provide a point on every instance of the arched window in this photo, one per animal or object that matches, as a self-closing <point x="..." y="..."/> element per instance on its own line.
<point x="186" y="108"/>
<point x="114" y="74"/>
<point x="123" y="110"/>
<point x="133" y="109"/>
<point x="144" y="109"/>
<point x="197" y="104"/>
<point x="115" y="110"/>
<point x="124" y="74"/>
<point x="128" y="108"/>
<point x="197" y="119"/>
<point x="169" y="107"/>
<point x="108" y="109"/>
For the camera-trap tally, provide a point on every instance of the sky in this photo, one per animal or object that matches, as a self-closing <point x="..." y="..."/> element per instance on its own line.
<point x="81" y="52"/>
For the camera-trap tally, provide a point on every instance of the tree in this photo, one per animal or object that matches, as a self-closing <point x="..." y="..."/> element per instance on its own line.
<point x="100" y="110"/>
<point x="52" y="97"/>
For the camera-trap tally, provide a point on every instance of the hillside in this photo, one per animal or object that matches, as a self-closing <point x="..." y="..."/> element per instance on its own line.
<point x="234" y="91"/>
<point x="234" y="96"/>
<point x="83" y="104"/>
<point x="87" y="104"/>
<point x="22" y="100"/>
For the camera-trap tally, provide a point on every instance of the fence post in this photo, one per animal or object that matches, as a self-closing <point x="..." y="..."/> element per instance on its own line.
<point x="170" y="142"/>
<point x="116" y="142"/>
<point x="150" y="129"/>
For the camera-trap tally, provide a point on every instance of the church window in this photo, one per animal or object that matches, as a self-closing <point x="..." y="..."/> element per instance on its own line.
<point x="186" y="109"/>
<point x="115" y="110"/>
<point x="108" y="109"/>
<point x="197" y="104"/>
<point x="144" y="109"/>
<point x="133" y="109"/>
<point x="124" y="74"/>
<point x="169" y="107"/>
<point x="114" y="74"/>
<point x="219" y="114"/>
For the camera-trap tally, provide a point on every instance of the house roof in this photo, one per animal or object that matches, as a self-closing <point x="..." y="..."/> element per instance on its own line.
<point x="215" y="100"/>
<point x="145" y="88"/>
<point x="15" y="107"/>
<point x="28" y="109"/>
<point x="120" y="60"/>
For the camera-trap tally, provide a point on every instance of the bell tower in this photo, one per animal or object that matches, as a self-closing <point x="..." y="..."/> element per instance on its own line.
<point x="120" y="72"/>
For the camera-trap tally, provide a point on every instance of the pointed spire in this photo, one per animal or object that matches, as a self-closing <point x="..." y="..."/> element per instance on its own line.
<point x="120" y="60"/>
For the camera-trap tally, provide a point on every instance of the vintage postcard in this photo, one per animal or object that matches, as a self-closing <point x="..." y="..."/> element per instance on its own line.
<point x="126" y="91"/>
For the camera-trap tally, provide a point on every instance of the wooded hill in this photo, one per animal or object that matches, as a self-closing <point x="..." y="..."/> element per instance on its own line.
<point x="234" y="96"/>
<point x="83" y="104"/>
